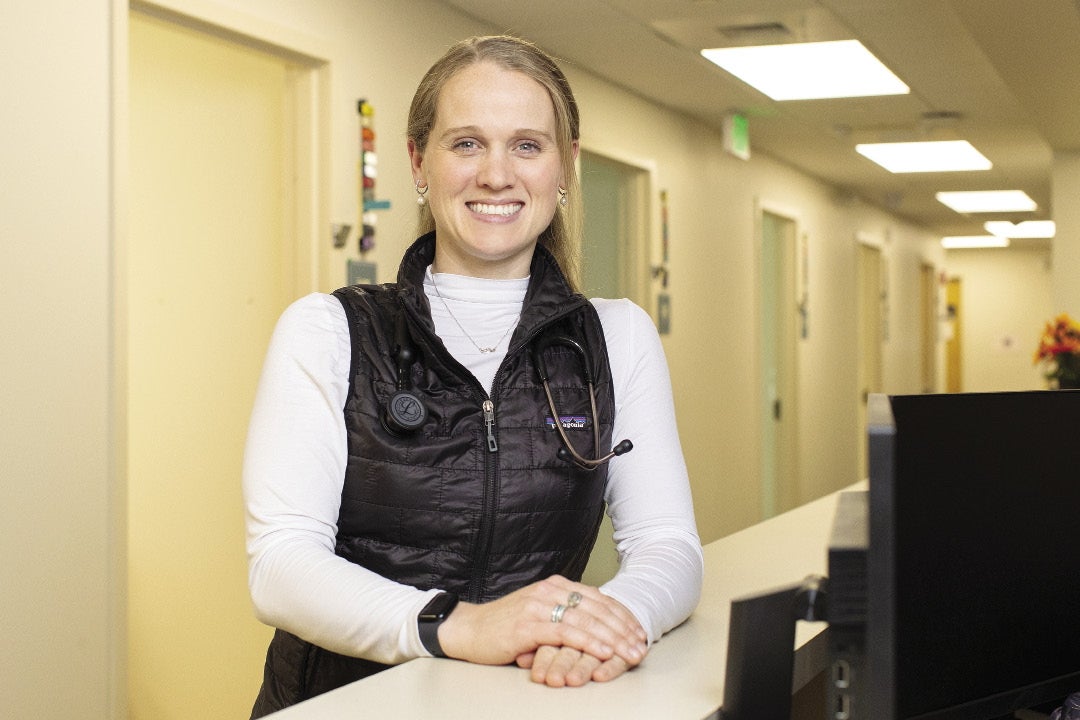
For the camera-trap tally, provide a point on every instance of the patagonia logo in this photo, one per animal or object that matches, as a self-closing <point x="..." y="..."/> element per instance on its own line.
<point x="568" y="422"/>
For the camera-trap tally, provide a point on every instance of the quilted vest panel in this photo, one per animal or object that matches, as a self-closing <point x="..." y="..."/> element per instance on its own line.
<point x="440" y="508"/>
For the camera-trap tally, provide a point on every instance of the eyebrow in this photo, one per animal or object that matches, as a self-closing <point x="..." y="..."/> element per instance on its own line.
<point x="474" y="130"/>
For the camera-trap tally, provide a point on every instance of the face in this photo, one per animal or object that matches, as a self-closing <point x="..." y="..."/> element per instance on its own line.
<point x="493" y="169"/>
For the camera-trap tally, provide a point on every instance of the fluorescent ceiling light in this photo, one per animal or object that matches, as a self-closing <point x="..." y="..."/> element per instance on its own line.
<point x="935" y="156"/>
<point x="809" y="71"/>
<point x="969" y="242"/>
<point x="1026" y="229"/>
<point x="987" y="201"/>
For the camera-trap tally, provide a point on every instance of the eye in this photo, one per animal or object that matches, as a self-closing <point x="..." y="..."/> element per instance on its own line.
<point x="466" y="145"/>
<point x="528" y="147"/>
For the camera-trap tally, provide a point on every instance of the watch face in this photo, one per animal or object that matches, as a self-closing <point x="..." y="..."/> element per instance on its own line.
<point x="439" y="607"/>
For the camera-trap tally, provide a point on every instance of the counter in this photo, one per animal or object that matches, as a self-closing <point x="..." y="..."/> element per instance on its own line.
<point x="682" y="677"/>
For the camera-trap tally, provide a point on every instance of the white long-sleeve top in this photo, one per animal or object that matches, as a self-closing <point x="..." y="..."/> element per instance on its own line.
<point x="296" y="453"/>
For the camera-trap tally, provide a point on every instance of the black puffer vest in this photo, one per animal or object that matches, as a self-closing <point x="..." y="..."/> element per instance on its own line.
<point x="479" y="505"/>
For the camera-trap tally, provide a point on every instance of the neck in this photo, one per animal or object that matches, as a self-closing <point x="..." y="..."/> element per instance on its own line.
<point x="514" y="267"/>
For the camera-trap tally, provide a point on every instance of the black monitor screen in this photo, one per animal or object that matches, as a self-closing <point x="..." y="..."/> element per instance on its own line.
<point x="985" y="518"/>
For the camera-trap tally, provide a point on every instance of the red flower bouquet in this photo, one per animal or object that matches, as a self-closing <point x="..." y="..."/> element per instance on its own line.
<point x="1059" y="351"/>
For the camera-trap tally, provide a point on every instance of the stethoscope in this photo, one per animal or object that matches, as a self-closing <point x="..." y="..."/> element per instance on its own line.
<point x="405" y="412"/>
<point x="567" y="452"/>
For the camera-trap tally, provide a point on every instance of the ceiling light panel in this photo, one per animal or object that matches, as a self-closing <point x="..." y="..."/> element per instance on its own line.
<point x="971" y="242"/>
<point x="809" y="71"/>
<point x="980" y="201"/>
<point x="1025" y="229"/>
<point x="934" y="156"/>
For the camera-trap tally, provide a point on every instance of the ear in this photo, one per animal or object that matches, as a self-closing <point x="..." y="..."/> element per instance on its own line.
<point x="416" y="160"/>
<point x="575" y="149"/>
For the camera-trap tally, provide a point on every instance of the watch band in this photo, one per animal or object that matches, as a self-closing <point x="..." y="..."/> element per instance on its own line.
<point x="431" y="617"/>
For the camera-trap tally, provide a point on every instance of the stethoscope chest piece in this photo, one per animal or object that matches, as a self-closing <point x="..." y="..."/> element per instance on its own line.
<point x="404" y="413"/>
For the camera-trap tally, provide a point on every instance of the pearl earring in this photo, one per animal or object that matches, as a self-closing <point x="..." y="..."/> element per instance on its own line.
<point x="562" y="196"/>
<point x="420" y="193"/>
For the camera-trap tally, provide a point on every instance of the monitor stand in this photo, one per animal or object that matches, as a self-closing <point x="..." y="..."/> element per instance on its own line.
<point x="761" y="649"/>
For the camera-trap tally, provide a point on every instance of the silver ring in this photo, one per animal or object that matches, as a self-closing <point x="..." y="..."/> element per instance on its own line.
<point x="557" y="612"/>
<point x="574" y="600"/>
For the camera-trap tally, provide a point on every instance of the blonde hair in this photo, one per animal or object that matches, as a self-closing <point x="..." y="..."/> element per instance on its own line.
<point x="563" y="236"/>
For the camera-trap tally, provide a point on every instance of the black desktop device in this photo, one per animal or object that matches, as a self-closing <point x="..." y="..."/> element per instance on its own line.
<point x="847" y="611"/>
<point x="954" y="581"/>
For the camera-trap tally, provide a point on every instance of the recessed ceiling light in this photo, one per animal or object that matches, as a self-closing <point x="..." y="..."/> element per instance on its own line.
<point x="978" y="201"/>
<point x="809" y="71"/>
<point x="933" y="156"/>
<point x="1025" y="229"/>
<point x="969" y="242"/>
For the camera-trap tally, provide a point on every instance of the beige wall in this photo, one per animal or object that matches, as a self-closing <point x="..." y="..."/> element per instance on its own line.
<point x="60" y="485"/>
<point x="1006" y="298"/>
<point x="62" y="420"/>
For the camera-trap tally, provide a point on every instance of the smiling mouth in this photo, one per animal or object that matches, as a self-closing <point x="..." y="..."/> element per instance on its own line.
<point x="504" y="210"/>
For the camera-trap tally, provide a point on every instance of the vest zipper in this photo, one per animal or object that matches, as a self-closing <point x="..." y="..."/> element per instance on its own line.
<point x="489" y="425"/>
<point x="491" y="481"/>
<point x="490" y="500"/>
<point x="491" y="484"/>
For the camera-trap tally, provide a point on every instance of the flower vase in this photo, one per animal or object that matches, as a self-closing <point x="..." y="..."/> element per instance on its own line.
<point x="1068" y="376"/>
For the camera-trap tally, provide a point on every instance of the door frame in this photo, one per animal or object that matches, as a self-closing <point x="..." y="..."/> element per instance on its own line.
<point x="308" y="206"/>
<point x="641" y="220"/>
<point x="308" y="214"/>
<point x="635" y="222"/>
<point x="929" y="312"/>
<point x="870" y="318"/>
<point x="782" y="457"/>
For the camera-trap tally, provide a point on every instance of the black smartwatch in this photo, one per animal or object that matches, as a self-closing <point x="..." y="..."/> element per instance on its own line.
<point x="431" y="617"/>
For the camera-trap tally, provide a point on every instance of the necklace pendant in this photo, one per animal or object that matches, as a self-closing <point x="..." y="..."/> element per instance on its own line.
<point x="483" y="350"/>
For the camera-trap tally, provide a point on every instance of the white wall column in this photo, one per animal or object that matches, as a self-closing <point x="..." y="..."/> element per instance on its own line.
<point x="1065" y="197"/>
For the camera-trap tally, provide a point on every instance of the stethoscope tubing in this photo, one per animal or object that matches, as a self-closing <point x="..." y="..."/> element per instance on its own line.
<point x="567" y="452"/>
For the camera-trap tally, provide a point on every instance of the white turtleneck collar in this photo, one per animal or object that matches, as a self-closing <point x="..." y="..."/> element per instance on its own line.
<point x="469" y="312"/>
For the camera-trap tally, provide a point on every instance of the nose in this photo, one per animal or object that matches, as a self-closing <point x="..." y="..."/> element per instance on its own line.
<point x="496" y="170"/>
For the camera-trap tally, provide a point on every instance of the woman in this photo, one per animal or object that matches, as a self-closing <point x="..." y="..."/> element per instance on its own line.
<point x="404" y="481"/>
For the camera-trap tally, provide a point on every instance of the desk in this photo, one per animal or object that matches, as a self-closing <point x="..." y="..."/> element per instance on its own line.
<point x="682" y="677"/>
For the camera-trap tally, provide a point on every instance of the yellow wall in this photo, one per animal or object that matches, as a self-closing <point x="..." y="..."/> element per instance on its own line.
<point x="206" y="277"/>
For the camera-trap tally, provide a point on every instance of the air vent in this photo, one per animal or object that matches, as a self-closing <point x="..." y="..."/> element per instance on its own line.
<point x="755" y="31"/>
<point x="942" y="115"/>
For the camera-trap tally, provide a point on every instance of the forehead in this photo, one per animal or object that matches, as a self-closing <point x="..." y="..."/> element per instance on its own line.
<point x="485" y="94"/>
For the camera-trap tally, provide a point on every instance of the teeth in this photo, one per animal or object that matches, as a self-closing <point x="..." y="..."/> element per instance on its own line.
<point x="485" y="209"/>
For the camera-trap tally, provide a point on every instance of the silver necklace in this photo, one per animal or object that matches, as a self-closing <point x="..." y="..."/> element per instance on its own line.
<point x="462" y="328"/>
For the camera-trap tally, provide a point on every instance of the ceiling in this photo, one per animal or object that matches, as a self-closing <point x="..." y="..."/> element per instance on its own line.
<point x="1002" y="74"/>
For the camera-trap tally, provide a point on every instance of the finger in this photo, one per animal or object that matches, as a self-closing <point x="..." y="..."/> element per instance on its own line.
<point x="584" y="670"/>
<point x="542" y="660"/>
<point x="565" y="659"/>
<point x="609" y="669"/>
<point x="604" y="607"/>
<point x="583" y="629"/>
<point x="525" y="660"/>
<point x="612" y="613"/>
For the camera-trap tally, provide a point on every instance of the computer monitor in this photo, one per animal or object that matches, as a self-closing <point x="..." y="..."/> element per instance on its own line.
<point x="972" y="571"/>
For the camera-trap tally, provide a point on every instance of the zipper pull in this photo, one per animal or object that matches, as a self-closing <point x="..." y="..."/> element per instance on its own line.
<point x="489" y="425"/>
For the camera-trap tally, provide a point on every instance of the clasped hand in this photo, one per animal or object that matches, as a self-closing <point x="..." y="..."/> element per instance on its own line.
<point x="597" y="639"/>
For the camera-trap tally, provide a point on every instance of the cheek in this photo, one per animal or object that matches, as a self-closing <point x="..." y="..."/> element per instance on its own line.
<point x="447" y="176"/>
<point x="447" y="187"/>
<point x="547" y="180"/>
